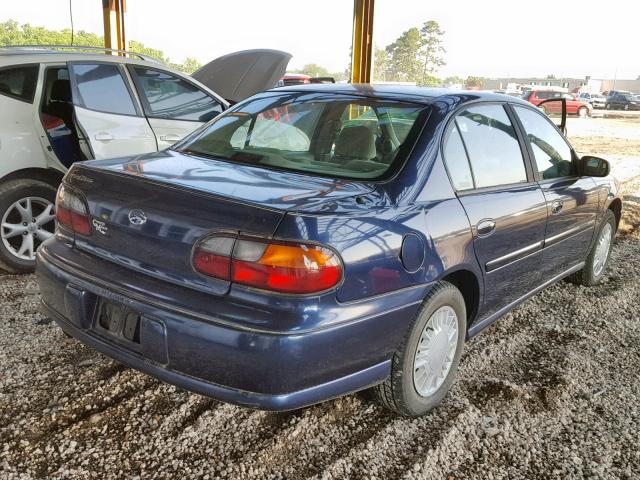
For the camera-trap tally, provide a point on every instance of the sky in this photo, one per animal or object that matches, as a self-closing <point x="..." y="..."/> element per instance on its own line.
<point x="492" y="38"/>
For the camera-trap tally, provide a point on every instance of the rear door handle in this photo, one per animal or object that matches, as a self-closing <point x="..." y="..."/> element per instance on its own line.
<point x="171" y="137"/>
<point x="103" y="136"/>
<point x="556" y="206"/>
<point x="486" y="227"/>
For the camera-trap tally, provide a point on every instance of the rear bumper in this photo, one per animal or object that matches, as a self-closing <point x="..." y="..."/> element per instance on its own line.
<point x="250" y="367"/>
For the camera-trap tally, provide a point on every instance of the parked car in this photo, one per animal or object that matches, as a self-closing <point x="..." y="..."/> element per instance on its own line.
<point x="622" y="101"/>
<point x="595" y="99"/>
<point x="611" y="93"/>
<point x="574" y="106"/>
<point x="60" y="107"/>
<point x="317" y="240"/>
<point x="301" y="79"/>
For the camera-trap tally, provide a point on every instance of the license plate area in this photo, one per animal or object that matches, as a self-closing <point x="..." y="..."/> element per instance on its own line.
<point x="119" y="321"/>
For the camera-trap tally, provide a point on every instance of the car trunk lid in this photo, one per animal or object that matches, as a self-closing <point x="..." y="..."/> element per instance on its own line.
<point x="148" y="212"/>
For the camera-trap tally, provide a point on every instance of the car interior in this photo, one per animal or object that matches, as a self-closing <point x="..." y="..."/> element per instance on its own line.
<point x="345" y="139"/>
<point x="58" y="118"/>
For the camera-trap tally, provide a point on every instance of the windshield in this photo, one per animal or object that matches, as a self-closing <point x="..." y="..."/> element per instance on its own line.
<point x="331" y="135"/>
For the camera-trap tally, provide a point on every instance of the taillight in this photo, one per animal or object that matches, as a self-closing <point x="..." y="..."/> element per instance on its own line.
<point x="72" y="212"/>
<point x="275" y="265"/>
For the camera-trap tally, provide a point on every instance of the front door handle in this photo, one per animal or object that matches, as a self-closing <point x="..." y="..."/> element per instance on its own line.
<point x="171" y="137"/>
<point x="556" y="206"/>
<point x="486" y="227"/>
<point x="103" y="136"/>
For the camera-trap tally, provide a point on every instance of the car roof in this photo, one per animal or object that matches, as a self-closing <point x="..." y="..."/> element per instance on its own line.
<point x="425" y="95"/>
<point x="17" y="57"/>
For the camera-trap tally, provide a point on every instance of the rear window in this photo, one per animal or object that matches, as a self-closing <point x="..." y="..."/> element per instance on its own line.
<point x="19" y="82"/>
<point x="328" y="135"/>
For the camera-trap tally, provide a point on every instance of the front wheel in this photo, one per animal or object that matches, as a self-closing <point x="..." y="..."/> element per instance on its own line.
<point x="607" y="106"/>
<point x="598" y="258"/>
<point x="425" y="364"/>
<point x="582" y="112"/>
<point x="28" y="219"/>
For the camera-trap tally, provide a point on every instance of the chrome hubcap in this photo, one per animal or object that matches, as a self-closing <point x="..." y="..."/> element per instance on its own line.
<point x="25" y="225"/>
<point x="602" y="249"/>
<point x="435" y="352"/>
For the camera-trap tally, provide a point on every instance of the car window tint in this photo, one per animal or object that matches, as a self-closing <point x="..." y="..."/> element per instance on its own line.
<point x="102" y="88"/>
<point x="551" y="151"/>
<point x="492" y="145"/>
<point x="19" y="82"/>
<point x="456" y="160"/>
<point x="171" y="97"/>
<point x="359" y="139"/>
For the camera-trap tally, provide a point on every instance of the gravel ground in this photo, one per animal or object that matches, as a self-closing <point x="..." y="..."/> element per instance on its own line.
<point x="549" y="391"/>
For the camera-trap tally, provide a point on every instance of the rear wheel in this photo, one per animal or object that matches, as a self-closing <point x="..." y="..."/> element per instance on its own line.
<point x="27" y="220"/>
<point x="424" y="365"/>
<point x="598" y="258"/>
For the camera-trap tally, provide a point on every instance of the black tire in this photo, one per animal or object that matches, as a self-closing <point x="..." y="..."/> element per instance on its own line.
<point x="583" y="112"/>
<point x="398" y="393"/>
<point x="626" y="107"/>
<point x="587" y="276"/>
<point x="11" y="192"/>
<point x="607" y="106"/>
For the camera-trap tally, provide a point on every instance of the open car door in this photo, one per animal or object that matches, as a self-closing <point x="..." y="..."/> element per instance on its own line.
<point x="109" y="122"/>
<point x="553" y="107"/>
<point x="239" y="75"/>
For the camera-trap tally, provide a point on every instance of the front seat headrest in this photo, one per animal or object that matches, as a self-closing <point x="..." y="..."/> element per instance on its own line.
<point x="356" y="142"/>
<point x="61" y="91"/>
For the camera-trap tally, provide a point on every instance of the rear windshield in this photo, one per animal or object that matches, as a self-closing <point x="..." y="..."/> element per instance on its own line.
<point x="330" y="135"/>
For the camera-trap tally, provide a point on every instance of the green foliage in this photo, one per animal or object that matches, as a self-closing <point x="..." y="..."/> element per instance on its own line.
<point x="404" y="57"/>
<point x="415" y="56"/>
<point x="454" y="80"/>
<point x="12" y="33"/>
<point x="380" y="64"/>
<point x="314" y="70"/>
<point x="474" y="81"/>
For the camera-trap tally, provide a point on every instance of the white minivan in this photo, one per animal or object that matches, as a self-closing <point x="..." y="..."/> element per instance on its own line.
<point x="59" y="107"/>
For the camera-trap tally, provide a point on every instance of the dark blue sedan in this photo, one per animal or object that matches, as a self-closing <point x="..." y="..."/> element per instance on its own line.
<point x="317" y="240"/>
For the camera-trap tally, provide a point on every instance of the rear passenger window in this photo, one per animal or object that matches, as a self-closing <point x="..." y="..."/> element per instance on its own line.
<point x="551" y="151"/>
<point x="168" y="96"/>
<point x="456" y="160"/>
<point x="19" y="82"/>
<point x="101" y="87"/>
<point x="492" y="145"/>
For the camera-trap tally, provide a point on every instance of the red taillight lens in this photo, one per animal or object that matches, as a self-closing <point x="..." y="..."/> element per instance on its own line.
<point x="72" y="212"/>
<point x="279" y="266"/>
<point x="213" y="256"/>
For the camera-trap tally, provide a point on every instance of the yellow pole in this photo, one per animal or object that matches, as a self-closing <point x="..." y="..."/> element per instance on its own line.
<point x="362" y="49"/>
<point x="113" y="13"/>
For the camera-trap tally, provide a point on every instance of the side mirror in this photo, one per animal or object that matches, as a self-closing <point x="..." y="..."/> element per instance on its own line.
<point x="594" y="166"/>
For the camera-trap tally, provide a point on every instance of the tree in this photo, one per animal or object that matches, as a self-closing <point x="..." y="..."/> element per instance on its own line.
<point x="474" y="82"/>
<point x="432" y="50"/>
<point x="314" y="70"/>
<point x="454" y="80"/>
<point x="405" y="57"/>
<point x="11" y="33"/>
<point x="380" y="64"/>
<point x="189" y="66"/>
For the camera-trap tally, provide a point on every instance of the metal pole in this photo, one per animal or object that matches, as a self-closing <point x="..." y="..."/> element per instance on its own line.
<point x="362" y="50"/>
<point x="113" y="12"/>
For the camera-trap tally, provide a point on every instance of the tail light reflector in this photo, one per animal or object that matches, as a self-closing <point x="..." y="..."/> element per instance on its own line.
<point x="72" y="212"/>
<point x="274" y="265"/>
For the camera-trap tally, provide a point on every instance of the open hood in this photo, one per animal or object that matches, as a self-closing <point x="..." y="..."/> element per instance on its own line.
<point x="239" y="75"/>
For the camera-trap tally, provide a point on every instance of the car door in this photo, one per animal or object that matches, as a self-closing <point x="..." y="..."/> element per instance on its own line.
<point x="173" y="105"/>
<point x="109" y="119"/>
<point x="503" y="202"/>
<point x="572" y="200"/>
